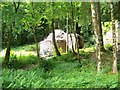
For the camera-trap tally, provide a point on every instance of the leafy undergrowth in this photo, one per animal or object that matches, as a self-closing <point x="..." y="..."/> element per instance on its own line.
<point x="58" y="72"/>
<point x="62" y="72"/>
<point x="63" y="75"/>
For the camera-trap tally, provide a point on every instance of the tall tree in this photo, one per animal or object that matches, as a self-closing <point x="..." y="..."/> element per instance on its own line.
<point x="119" y="9"/>
<point x="34" y="34"/>
<point x="114" y="69"/>
<point x="12" y="25"/>
<point x="99" y="25"/>
<point x="96" y="32"/>
<point x="67" y="43"/>
<point x="73" y="25"/>
<point x="53" y="32"/>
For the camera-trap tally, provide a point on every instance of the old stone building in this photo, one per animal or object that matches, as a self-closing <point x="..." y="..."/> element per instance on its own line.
<point x="47" y="48"/>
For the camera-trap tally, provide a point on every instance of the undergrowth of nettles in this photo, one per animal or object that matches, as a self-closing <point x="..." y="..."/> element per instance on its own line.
<point x="59" y="72"/>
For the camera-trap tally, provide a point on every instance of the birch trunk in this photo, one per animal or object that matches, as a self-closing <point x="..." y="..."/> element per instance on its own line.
<point x="114" y="69"/>
<point x="97" y="44"/>
<point x="99" y="26"/>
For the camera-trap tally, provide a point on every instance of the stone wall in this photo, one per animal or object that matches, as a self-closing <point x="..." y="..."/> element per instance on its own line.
<point x="47" y="48"/>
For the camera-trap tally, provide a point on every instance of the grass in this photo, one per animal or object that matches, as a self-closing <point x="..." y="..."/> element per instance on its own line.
<point x="58" y="72"/>
<point x="63" y="75"/>
<point x="21" y="50"/>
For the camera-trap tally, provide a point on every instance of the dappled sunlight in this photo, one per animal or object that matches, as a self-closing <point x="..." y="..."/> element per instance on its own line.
<point x="2" y="53"/>
<point x="60" y="45"/>
<point x="18" y="53"/>
<point x="90" y="49"/>
<point x="25" y="53"/>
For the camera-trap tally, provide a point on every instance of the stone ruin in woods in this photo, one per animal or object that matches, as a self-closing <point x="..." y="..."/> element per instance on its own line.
<point x="47" y="47"/>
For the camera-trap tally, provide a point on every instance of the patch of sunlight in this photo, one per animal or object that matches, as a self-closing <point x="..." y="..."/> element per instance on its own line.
<point x="25" y="53"/>
<point x="2" y="53"/>
<point x="18" y="53"/>
<point x="90" y="49"/>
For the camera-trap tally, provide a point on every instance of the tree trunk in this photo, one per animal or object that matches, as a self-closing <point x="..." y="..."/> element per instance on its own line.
<point x="76" y="38"/>
<point x="74" y="31"/>
<point x="99" y="26"/>
<point x="114" y="69"/>
<point x="67" y="43"/>
<point x="72" y="43"/>
<point x="79" y="42"/>
<point x="12" y="25"/>
<point x="73" y="26"/>
<point x="119" y="10"/>
<point x="7" y="55"/>
<point x="37" y="46"/>
<point x="35" y="38"/>
<point x="97" y="45"/>
<point x="53" y="38"/>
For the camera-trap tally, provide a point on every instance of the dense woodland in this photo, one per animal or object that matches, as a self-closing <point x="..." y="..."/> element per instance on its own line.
<point x="93" y="64"/>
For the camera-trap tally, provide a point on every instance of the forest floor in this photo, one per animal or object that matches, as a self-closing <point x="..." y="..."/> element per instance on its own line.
<point x="57" y="72"/>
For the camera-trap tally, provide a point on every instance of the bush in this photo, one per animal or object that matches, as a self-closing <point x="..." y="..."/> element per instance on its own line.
<point x="109" y="47"/>
<point x="21" y="61"/>
<point x="63" y="75"/>
<point x="84" y="54"/>
<point x="47" y="65"/>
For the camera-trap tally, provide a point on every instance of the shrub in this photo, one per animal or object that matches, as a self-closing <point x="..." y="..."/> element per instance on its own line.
<point x="21" y="61"/>
<point x="84" y="54"/>
<point x="109" y="47"/>
<point x="47" y="65"/>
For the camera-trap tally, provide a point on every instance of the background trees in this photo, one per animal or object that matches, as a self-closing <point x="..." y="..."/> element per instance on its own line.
<point x="34" y="21"/>
<point x="26" y="23"/>
<point x="114" y="39"/>
<point x="11" y="26"/>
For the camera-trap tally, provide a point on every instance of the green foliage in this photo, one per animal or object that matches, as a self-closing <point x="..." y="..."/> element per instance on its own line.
<point x="66" y="57"/>
<point x="26" y="47"/>
<point x="22" y="33"/>
<point x="58" y="72"/>
<point x="21" y="61"/>
<point x="39" y="15"/>
<point x="47" y="65"/>
<point x="63" y="75"/>
<point x="106" y="27"/>
<point x="85" y="54"/>
<point x="109" y="47"/>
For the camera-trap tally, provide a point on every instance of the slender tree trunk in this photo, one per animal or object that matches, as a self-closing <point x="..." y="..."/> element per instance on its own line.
<point x="97" y="45"/>
<point x="72" y="43"/>
<point x="73" y="26"/>
<point x="76" y="38"/>
<point x="7" y="55"/>
<point x="99" y="26"/>
<point x="35" y="39"/>
<point x="37" y="46"/>
<point x="114" y="69"/>
<point x="67" y="43"/>
<point x="53" y="32"/>
<point x="12" y="25"/>
<point x="119" y="9"/>
<point x="53" y="38"/>
<point x="74" y="31"/>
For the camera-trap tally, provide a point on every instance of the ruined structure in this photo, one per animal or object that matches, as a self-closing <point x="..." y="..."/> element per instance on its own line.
<point x="47" y="48"/>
